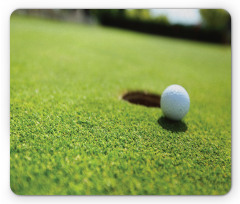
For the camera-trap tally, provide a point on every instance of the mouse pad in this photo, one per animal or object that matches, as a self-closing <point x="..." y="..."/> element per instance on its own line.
<point x="120" y="102"/>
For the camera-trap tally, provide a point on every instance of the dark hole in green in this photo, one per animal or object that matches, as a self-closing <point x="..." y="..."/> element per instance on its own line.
<point x="142" y="98"/>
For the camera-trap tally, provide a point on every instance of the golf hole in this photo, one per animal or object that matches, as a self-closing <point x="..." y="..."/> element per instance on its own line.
<point x="142" y="98"/>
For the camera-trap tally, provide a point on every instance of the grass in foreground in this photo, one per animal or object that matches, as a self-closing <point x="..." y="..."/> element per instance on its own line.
<point x="71" y="134"/>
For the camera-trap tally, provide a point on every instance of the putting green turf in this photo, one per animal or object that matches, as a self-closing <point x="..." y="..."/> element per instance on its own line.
<point x="72" y="134"/>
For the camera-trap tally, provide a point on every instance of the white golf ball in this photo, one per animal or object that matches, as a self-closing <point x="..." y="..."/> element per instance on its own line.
<point x="175" y="102"/>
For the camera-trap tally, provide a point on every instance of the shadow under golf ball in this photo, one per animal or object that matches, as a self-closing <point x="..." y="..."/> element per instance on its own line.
<point x="174" y="126"/>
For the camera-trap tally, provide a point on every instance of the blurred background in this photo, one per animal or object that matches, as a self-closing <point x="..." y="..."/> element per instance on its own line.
<point x="210" y="25"/>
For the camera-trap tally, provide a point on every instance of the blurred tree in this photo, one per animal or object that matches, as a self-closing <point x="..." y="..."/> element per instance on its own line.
<point x="215" y="18"/>
<point x="145" y="15"/>
<point x="140" y="14"/>
<point x="100" y="14"/>
<point x="161" y="19"/>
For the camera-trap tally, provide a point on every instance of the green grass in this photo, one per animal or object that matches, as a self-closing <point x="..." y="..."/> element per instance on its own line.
<point x="71" y="133"/>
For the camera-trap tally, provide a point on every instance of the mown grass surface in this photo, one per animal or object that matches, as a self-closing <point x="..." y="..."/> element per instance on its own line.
<point x="71" y="134"/>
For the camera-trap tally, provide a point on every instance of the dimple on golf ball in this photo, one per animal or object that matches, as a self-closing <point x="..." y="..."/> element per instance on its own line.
<point x="175" y="102"/>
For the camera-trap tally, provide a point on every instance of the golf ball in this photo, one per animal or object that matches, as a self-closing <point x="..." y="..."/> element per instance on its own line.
<point x="175" y="102"/>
